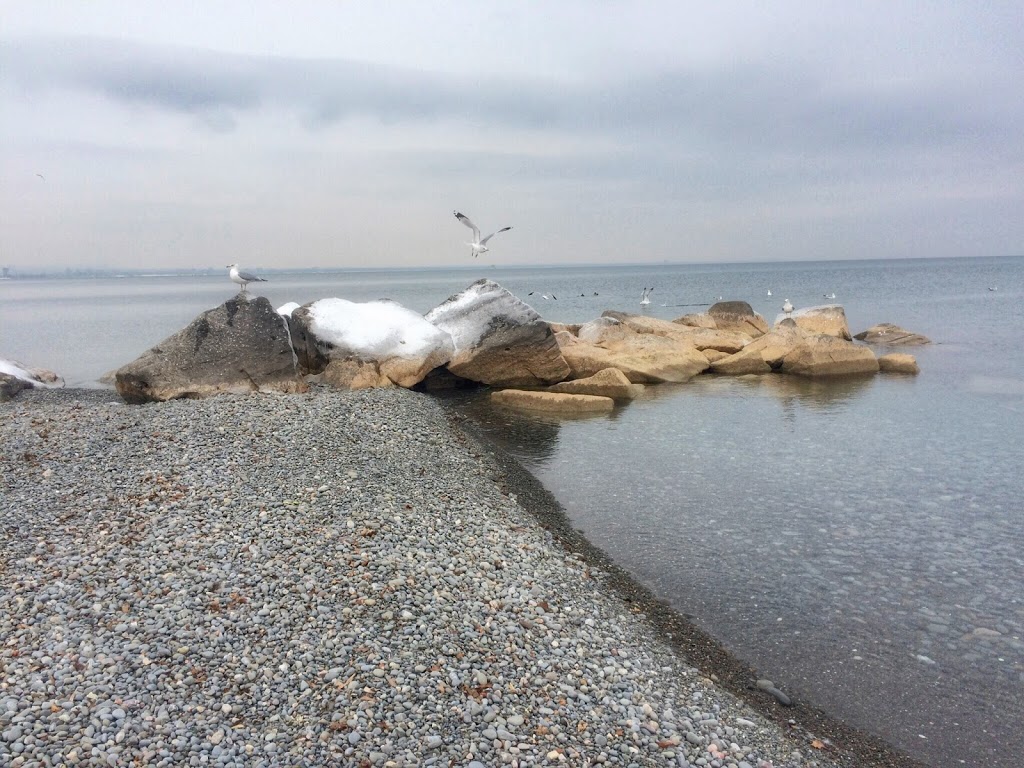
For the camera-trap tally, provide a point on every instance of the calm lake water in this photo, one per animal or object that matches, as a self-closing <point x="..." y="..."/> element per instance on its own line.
<point x="859" y="542"/>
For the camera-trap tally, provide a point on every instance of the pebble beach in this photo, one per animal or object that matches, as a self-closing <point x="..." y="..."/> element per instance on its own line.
<point x="335" y="578"/>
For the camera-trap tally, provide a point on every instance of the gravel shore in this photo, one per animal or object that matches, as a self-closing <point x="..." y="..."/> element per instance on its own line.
<point x="332" y="578"/>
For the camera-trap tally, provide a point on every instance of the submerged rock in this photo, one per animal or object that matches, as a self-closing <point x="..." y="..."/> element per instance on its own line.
<point x="552" y="401"/>
<point x="898" y="362"/>
<point x="892" y="336"/>
<point x="240" y="346"/>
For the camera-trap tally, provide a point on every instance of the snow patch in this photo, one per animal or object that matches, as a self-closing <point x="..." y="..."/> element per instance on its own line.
<point x="375" y="329"/>
<point x="285" y="310"/>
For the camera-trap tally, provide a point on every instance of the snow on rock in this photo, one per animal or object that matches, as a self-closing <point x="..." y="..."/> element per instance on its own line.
<point x="285" y="310"/>
<point x="15" y="377"/>
<point x="397" y="343"/>
<point x="499" y="339"/>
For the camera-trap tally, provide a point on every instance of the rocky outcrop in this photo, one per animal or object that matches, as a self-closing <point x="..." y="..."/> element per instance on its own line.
<point x="891" y="335"/>
<point x="735" y="316"/>
<point x="898" y="362"/>
<point x="827" y="319"/>
<point x="820" y="355"/>
<point x="762" y="355"/>
<point x="790" y="349"/>
<point x="240" y="346"/>
<point x="499" y="340"/>
<point x="702" y="338"/>
<point x="610" y="382"/>
<point x="15" y="377"/>
<point x="382" y="339"/>
<point x="552" y="401"/>
<point x="644" y="358"/>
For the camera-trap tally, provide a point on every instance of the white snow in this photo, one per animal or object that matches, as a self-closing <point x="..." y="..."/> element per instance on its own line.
<point x="376" y="329"/>
<point x="15" y="370"/>
<point x="19" y="371"/>
<point x="285" y="310"/>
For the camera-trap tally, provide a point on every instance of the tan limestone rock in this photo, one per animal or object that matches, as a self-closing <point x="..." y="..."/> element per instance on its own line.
<point x="898" y="362"/>
<point x="738" y="316"/>
<point x="355" y="374"/>
<point x="825" y="355"/>
<point x="552" y="401"/>
<point x="611" y="382"/>
<point x="828" y="319"/>
<point x="643" y="357"/>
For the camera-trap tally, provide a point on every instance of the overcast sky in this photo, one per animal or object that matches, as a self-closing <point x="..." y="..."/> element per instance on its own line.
<point x="142" y="134"/>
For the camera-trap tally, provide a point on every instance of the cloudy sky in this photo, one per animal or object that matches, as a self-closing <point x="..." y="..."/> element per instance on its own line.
<point x="143" y="134"/>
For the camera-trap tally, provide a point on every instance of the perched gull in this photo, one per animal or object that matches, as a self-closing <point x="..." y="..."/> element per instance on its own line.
<point x="645" y="297"/>
<point x="243" y="278"/>
<point x="769" y="291"/>
<point x="830" y="295"/>
<point x="479" y="246"/>
<point x="787" y="307"/>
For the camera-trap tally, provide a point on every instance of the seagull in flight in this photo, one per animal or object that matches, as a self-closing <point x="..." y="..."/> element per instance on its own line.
<point x="645" y="297"/>
<point x="243" y="278"/>
<point x="479" y="246"/>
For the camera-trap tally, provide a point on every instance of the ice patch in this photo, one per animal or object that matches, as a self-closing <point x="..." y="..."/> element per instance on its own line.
<point x="375" y="329"/>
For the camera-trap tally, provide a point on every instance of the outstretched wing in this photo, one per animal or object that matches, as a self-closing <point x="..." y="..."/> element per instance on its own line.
<point x="465" y="220"/>
<point x="503" y="229"/>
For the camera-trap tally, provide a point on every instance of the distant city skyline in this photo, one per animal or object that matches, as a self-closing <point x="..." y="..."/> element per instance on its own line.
<point x="326" y="135"/>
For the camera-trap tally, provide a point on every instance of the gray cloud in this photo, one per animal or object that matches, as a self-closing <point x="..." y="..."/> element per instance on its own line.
<point x="752" y="108"/>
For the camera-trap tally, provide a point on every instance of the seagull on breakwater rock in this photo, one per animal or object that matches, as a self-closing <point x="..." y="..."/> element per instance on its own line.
<point x="787" y="307"/>
<point x="479" y="246"/>
<point x="243" y="278"/>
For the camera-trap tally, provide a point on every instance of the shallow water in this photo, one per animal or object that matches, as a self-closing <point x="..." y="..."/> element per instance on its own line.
<point x="860" y="542"/>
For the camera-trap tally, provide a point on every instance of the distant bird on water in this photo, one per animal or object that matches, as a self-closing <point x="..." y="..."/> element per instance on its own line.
<point x="243" y="278"/>
<point x="787" y="307"/>
<point x="830" y="295"/>
<point x="478" y="245"/>
<point x="769" y="291"/>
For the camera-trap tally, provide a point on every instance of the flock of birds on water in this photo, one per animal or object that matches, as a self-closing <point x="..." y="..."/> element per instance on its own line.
<point x="478" y="246"/>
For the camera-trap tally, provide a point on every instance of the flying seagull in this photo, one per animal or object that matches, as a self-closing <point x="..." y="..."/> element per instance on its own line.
<point x="243" y="278"/>
<point x="479" y="246"/>
<point x="645" y="297"/>
<point x="787" y="307"/>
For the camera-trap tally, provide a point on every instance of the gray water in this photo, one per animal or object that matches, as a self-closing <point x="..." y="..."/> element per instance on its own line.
<point x="860" y="542"/>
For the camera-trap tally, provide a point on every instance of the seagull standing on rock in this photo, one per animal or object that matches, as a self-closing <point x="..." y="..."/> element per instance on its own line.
<point x="787" y="307"/>
<point x="479" y="246"/>
<point x="243" y="278"/>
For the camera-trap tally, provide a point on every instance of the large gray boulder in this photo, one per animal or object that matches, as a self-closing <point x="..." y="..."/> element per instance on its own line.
<point x="499" y="340"/>
<point x="367" y="344"/>
<point x="240" y="346"/>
